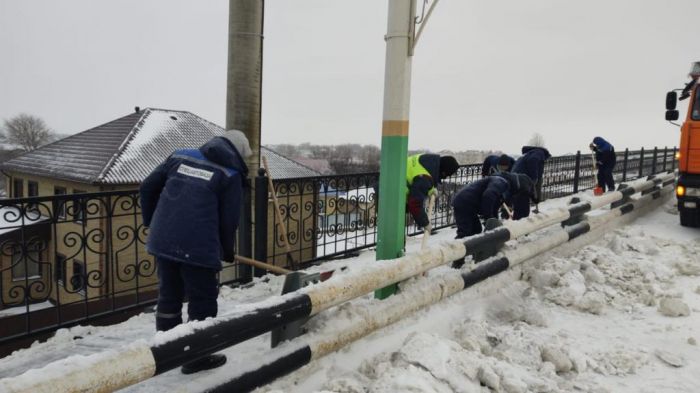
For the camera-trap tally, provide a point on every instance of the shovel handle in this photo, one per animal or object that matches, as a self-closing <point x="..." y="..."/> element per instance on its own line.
<point x="262" y="265"/>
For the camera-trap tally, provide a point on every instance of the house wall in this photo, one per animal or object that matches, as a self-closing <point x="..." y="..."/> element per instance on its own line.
<point x="298" y="209"/>
<point x="131" y="265"/>
<point x="14" y="290"/>
<point x="116" y="265"/>
<point x="120" y="264"/>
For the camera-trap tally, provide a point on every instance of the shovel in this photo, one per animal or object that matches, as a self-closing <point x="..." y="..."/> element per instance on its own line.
<point x="428" y="228"/>
<point x="597" y="190"/>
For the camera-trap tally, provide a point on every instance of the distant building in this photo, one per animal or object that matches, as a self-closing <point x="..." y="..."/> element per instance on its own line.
<point x="113" y="156"/>
<point x="317" y="164"/>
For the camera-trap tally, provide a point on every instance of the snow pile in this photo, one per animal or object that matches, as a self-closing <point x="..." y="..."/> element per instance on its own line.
<point x="626" y="270"/>
<point x="614" y="316"/>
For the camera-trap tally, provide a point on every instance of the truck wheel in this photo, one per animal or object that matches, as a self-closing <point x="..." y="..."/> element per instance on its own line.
<point x="689" y="217"/>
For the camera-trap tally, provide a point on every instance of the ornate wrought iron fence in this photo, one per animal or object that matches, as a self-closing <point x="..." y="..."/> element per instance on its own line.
<point x="67" y="259"/>
<point x="330" y="216"/>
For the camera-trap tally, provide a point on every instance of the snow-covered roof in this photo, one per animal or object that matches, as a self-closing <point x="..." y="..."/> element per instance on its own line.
<point x="126" y="150"/>
<point x="282" y="167"/>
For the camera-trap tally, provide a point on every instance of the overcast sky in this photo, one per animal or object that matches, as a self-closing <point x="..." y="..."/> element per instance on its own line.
<point x="486" y="74"/>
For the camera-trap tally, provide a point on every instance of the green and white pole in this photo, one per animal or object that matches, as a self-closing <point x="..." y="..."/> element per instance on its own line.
<point x="397" y="96"/>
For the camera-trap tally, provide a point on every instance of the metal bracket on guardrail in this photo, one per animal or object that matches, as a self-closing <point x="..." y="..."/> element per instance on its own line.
<point x="292" y="282"/>
<point x="625" y="198"/>
<point x="575" y="218"/>
<point x="484" y="250"/>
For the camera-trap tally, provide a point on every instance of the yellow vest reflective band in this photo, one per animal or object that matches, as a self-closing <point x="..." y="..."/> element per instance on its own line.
<point x="413" y="169"/>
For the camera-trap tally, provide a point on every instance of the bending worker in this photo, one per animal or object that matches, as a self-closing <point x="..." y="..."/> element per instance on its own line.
<point x="191" y="204"/>
<point x="605" y="160"/>
<point x="531" y="163"/>
<point x="423" y="173"/>
<point x="496" y="164"/>
<point x="484" y="197"/>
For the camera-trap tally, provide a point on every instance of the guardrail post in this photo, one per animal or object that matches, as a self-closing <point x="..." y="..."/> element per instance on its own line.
<point x="641" y="163"/>
<point x="653" y="161"/>
<point x="577" y="170"/>
<point x="261" y="214"/>
<point x="624" y="165"/>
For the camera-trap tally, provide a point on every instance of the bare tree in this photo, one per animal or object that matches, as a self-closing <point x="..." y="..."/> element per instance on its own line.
<point x="536" y="140"/>
<point x="287" y="150"/>
<point x="27" y="131"/>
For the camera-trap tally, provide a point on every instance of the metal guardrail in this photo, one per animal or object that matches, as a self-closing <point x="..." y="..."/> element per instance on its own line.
<point x="69" y="259"/>
<point x="117" y="368"/>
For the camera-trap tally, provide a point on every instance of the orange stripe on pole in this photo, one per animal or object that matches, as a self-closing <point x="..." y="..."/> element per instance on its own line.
<point x="395" y="128"/>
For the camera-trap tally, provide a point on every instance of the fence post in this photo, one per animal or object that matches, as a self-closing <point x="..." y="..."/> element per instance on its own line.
<point x="653" y="161"/>
<point x="641" y="163"/>
<point x="665" y="157"/>
<point x="624" y="165"/>
<point x="673" y="161"/>
<point x="577" y="170"/>
<point x="261" y="216"/>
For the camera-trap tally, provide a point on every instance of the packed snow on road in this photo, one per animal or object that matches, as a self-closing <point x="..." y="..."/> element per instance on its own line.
<point x="618" y="315"/>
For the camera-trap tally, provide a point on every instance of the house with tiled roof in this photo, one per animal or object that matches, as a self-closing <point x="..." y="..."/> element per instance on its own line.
<point x="124" y="151"/>
<point x="114" y="156"/>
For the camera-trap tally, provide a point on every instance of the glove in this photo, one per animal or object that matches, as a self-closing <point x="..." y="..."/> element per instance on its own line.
<point x="504" y="214"/>
<point x="422" y="223"/>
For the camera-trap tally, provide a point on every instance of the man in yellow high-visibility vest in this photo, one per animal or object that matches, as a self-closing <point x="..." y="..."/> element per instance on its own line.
<point x="423" y="173"/>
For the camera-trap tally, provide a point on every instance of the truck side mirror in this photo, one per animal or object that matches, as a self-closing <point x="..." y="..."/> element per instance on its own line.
<point x="672" y="115"/>
<point x="671" y="100"/>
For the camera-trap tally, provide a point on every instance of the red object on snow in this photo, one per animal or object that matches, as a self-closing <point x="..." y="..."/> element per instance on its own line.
<point x="598" y="190"/>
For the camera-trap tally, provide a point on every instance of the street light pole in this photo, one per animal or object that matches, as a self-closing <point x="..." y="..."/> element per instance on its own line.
<point x="391" y="220"/>
<point x="243" y="104"/>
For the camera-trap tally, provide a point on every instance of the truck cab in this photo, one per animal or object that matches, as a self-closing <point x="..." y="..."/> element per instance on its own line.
<point x="688" y="186"/>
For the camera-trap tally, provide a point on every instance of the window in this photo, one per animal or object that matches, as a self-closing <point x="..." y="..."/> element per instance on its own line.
<point x="77" y="280"/>
<point x="33" y="191"/>
<point x="60" y="205"/>
<point x="32" y="188"/>
<point x="78" y="208"/>
<point x="25" y="268"/>
<point x="60" y="268"/>
<point x="696" y="105"/>
<point x="18" y="188"/>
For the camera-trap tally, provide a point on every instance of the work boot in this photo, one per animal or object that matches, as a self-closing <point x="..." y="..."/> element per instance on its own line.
<point x="204" y="363"/>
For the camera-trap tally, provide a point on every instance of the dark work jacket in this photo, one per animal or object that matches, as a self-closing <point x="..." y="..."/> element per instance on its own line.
<point x="192" y="202"/>
<point x="531" y="162"/>
<point x="604" y="154"/>
<point x="484" y="196"/>
<point x="419" y="189"/>
<point x="490" y="165"/>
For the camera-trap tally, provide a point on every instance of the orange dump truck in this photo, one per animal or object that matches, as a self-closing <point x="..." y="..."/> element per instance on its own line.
<point x="688" y="187"/>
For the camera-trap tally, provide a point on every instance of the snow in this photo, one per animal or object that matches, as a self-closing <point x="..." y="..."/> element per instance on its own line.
<point x="157" y="134"/>
<point x="540" y="338"/>
<point x="23" y="309"/>
<point x="133" y="362"/>
<point x="587" y="319"/>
